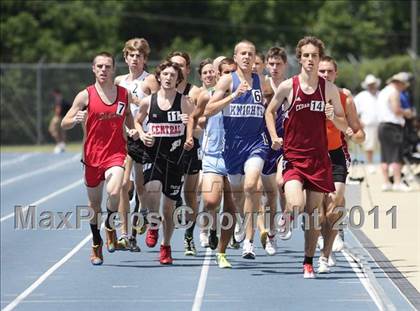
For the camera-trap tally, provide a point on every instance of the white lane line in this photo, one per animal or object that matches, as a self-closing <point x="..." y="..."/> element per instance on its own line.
<point x="364" y="280"/>
<point x="39" y="171"/>
<point x="199" y="295"/>
<point x="18" y="159"/>
<point x="46" y="198"/>
<point x="43" y="277"/>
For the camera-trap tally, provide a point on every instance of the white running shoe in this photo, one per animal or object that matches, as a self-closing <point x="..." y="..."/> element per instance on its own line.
<point x="332" y="260"/>
<point x="284" y="232"/>
<point x="204" y="239"/>
<point x="323" y="265"/>
<point x="338" y="244"/>
<point x="401" y="187"/>
<point x="386" y="187"/>
<point x="320" y="242"/>
<point x="248" y="250"/>
<point x="271" y="246"/>
<point x="239" y="233"/>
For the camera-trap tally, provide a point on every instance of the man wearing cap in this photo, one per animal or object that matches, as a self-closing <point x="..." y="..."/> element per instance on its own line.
<point x="367" y="108"/>
<point x="390" y="131"/>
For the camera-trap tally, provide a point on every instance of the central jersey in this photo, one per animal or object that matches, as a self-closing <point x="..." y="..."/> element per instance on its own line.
<point x="167" y="128"/>
<point x="244" y="116"/>
<point x="304" y="123"/>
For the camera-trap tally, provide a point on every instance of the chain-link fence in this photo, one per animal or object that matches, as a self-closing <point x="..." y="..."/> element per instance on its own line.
<point x="27" y="103"/>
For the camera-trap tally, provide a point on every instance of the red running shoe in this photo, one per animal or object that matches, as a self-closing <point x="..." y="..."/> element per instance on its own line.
<point x="165" y="255"/>
<point x="308" y="271"/>
<point x="152" y="237"/>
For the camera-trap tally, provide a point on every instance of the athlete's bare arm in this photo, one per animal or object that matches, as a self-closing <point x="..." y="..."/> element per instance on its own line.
<point x="77" y="112"/>
<point x="267" y="90"/>
<point x="355" y="130"/>
<point x="219" y="100"/>
<point x="187" y="108"/>
<point x="283" y="92"/>
<point x="333" y="109"/>
<point x="198" y="111"/>
<point x="150" y="85"/>
<point x="143" y="112"/>
<point x="129" y="121"/>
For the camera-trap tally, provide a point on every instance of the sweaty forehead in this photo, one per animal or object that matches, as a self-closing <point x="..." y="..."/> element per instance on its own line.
<point x="244" y="47"/>
<point x="179" y="60"/>
<point x="326" y="65"/>
<point x="169" y="70"/>
<point x="102" y="60"/>
<point x="207" y="67"/>
<point x="309" y="48"/>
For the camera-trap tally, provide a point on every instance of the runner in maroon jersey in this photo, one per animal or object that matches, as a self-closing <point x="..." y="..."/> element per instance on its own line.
<point x="102" y="110"/>
<point x="307" y="101"/>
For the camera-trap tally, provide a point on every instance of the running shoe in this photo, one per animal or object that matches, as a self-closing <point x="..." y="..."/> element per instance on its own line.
<point x="123" y="243"/>
<point x="263" y="238"/>
<point x="152" y="237"/>
<point x="338" y="244"/>
<point x="189" y="246"/>
<point x="222" y="261"/>
<point x="323" y="265"/>
<point x="308" y="271"/>
<point x="165" y="257"/>
<point x="285" y="230"/>
<point x="111" y="240"/>
<point x="132" y="245"/>
<point x="239" y="233"/>
<point x="386" y="187"/>
<point x="234" y="244"/>
<point x="204" y="239"/>
<point x="96" y="258"/>
<point x="213" y="239"/>
<point x="332" y="260"/>
<point x="271" y="245"/>
<point x="248" y="250"/>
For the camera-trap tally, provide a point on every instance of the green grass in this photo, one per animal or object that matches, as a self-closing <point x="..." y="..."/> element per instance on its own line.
<point x="71" y="147"/>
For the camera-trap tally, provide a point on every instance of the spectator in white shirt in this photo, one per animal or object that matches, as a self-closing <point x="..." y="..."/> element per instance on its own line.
<point x="367" y="108"/>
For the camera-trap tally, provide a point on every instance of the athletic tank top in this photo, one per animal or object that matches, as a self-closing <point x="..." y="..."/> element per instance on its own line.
<point x="167" y="128"/>
<point x="134" y="87"/>
<point x="243" y="118"/>
<point x="304" y="123"/>
<point x="214" y="134"/>
<point x="334" y="134"/>
<point x="105" y="138"/>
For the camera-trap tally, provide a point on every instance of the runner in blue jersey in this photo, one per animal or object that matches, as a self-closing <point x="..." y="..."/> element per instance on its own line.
<point x="215" y="182"/>
<point x="240" y="96"/>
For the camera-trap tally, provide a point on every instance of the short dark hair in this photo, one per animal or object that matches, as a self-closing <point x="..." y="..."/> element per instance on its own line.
<point x="329" y="59"/>
<point x="277" y="52"/>
<point x="261" y="56"/>
<point x="226" y="61"/>
<point x="310" y="40"/>
<point x="204" y="62"/>
<point x="184" y="55"/>
<point x="165" y="64"/>
<point x="105" y="54"/>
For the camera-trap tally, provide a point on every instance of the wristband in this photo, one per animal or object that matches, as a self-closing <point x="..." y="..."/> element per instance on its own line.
<point x="234" y="95"/>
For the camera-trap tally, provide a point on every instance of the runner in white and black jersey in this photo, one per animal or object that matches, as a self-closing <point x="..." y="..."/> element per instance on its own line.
<point x="192" y="159"/>
<point x="167" y="112"/>
<point x="136" y="52"/>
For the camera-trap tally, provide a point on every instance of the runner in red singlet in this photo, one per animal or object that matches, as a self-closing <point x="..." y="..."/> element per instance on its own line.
<point x="307" y="102"/>
<point x="102" y="108"/>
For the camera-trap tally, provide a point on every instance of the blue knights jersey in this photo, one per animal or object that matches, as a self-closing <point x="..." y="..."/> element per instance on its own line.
<point x="244" y="116"/>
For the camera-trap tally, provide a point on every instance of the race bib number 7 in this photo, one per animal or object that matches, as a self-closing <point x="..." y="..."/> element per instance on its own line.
<point x="120" y="108"/>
